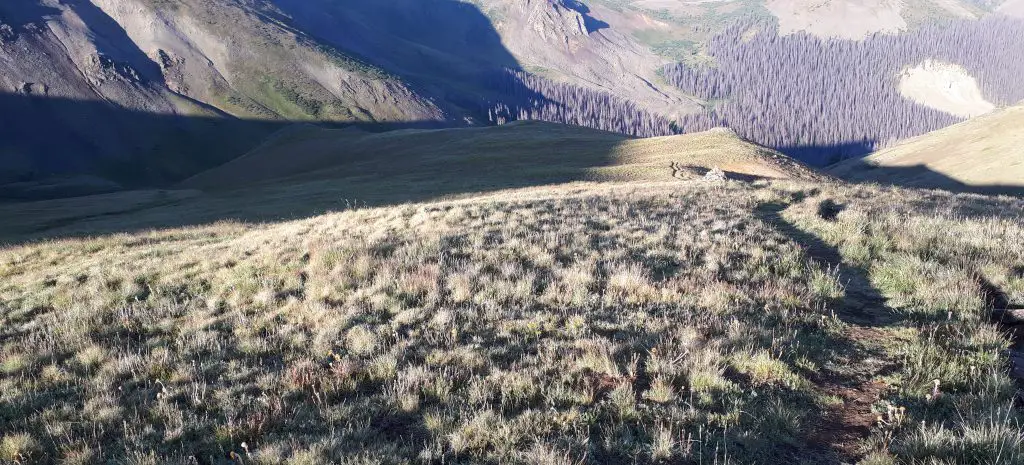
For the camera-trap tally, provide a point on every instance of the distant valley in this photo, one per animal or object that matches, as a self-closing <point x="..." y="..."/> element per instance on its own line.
<point x="103" y="95"/>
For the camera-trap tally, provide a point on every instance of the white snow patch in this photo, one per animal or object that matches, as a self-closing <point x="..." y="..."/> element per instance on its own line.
<point x="945" y="87"/>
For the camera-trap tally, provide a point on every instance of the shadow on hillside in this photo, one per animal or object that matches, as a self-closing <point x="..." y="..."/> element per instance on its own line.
<point x="443" y="47"/>
<point x="920" y="176"/>
<point x="845" y="162"/>
<point x="865" y="308"/>
<point x="148" y="195"/>
<point x="863" y="303"/>
<point x="591" y="23"/>
<point x="821" y="155"/>
<point x="42" y="137"/>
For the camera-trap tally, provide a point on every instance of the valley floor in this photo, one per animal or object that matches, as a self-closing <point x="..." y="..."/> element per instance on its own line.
<point x="683" y="322"/>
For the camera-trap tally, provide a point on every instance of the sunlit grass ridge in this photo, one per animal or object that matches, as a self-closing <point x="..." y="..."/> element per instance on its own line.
<point x="672" y="322"/>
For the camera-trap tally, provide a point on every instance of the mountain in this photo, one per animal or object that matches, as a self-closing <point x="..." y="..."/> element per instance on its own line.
<point x="210" y="59"/>
<point x="101" y="95"/>
<point x="985" y="153"/>
<point x="324" y="61"/>
<point x="442" y="42"/>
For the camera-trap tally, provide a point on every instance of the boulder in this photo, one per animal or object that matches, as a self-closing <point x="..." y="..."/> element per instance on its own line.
<point x="716" y="174"/>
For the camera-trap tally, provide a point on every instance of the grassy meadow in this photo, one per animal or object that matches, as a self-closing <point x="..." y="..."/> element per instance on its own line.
<point x="653" y="322"/>
<point x="304" y="171"/>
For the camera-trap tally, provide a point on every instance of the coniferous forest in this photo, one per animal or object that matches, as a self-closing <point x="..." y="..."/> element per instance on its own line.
<point x="530" y="97"/>
<point x="819" y="100"/>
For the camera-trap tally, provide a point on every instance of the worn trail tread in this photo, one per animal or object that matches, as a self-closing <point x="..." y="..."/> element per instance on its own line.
<point x="843" y="428"/>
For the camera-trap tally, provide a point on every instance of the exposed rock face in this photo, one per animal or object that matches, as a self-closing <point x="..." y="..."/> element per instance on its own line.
<point x="571" y="43"/>
<point x="86" y="71"/>
<point x="554" y="23"/>
<point x="946" y="87"/>
<point x="33" y="88"/>
<point x="206" y="49"/>
<point x="6" y="33"/>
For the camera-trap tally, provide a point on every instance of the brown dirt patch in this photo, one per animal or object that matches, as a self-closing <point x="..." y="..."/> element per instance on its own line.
<point x="844" y="427"/>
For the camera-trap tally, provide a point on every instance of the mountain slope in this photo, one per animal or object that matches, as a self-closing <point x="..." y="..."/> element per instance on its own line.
<point x="222" y="53"/>
<point x="528" y="150"/>
<point x="108" y="94"/>
<point x="187" y="58"/>
<point x="305" y="170"/>
<point x="985" y="151"/>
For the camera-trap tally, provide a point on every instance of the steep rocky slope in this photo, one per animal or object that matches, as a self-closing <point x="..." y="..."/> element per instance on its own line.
<point x="566" y="40"/>
<point x="438" y="42"/>
<point x="82" y="80"/>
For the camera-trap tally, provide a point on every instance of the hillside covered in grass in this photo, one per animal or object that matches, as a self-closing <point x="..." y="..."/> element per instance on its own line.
<point x="646" y="322"/>
<point x="985" y="153"/>
<point x="524" y="153"/>
<point x="307" y="170"/>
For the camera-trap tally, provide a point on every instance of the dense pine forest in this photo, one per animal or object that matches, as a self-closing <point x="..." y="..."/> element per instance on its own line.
<point x="827" y="99"/>
<point x="530" y="97"/>
<point x="820" y="100"/>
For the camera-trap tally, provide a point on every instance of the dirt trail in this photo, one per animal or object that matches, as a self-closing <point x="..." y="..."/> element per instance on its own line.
<point x="844" y="427"/>
<point x="841" y="429"/>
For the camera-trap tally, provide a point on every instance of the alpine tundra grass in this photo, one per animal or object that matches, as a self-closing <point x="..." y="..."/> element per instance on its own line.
<point x="683" y="322"/>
